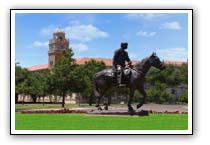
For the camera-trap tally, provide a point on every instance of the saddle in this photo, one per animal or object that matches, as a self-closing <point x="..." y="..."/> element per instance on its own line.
<point x="124" y="73"/>
<point x="127" y="71"/>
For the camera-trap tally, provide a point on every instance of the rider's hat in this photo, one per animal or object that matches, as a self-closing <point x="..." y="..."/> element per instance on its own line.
<point x="123" y="44"/>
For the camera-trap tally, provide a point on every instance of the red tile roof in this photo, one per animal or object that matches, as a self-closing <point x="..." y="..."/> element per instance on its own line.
<point x="177" y="63"/>
<point x="107" y="61"/>
<point x="38" y="67"/>
<point x="81" y="61"/>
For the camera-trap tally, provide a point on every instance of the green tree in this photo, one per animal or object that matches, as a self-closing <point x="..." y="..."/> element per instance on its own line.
<point x="183" y="98"/>
<point x="21" y="75"/>
<point x="38" y="84"/>
<point x="171" y="77"/>
<point x="32" y="85"/>
<point x="158" y="94"/>
<point x="61" y="80"/>
<point x="155" y="74"/>
<point x="82" y="78"/>
<point x="184" y="73"/>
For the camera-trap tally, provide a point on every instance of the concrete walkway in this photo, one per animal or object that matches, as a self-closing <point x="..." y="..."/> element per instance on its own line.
<point x="118" y="110"/>
<point x="155" y="107"/>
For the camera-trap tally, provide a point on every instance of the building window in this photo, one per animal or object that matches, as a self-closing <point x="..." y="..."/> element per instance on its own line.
<point x="51" y="62"/>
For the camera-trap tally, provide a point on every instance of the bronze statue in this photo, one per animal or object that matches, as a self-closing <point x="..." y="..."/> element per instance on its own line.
<point x="119" y="59"/>
<point x="104" y="80"/>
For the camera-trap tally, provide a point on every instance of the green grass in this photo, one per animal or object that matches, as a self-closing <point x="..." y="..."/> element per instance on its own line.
<point x="87" y="122"/>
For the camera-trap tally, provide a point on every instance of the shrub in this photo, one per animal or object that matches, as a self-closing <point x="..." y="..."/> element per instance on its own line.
<point x="183" y="98"/>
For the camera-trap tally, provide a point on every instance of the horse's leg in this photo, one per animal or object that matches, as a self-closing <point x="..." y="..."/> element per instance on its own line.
<point x="106" y="107"/>
<point x="98" y="98"/>
<point x="130" y="108"/>
<point x="109" y="101"/>
<point x="141" y="102"/>
<point x="105" y="103"/>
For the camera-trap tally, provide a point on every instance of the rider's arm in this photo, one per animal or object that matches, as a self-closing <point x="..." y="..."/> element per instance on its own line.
<point x="114" y="62"/>
<point x="128" y="59"/>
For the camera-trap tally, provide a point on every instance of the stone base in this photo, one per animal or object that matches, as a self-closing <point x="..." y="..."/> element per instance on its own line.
<point x="86" y="111"/>
<point x="138" y="113"/>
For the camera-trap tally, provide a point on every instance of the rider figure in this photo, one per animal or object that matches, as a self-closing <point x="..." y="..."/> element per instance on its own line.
<point x="119" y="59"/>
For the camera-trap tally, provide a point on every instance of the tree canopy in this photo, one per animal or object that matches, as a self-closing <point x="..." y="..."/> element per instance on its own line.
<point x="60" y="77"/>
<point x="82" y="77"/>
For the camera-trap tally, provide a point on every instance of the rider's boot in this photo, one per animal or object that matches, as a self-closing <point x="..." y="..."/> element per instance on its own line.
<point x="120" y="80"/>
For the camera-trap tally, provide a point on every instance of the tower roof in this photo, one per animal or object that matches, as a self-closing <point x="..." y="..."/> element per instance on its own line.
<point x="58" y="30"/>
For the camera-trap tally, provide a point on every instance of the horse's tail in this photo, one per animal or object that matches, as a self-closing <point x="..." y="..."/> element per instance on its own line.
<point x="95" y="87"/>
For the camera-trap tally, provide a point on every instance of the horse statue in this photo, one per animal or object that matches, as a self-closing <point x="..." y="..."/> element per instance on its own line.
<point x="104" y="80"/>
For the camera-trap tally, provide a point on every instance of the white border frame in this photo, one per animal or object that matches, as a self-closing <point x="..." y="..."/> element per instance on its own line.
<point x="103" y="132"/>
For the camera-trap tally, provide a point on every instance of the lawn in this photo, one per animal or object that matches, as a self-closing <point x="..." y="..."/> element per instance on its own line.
<point x="88" y="122"/>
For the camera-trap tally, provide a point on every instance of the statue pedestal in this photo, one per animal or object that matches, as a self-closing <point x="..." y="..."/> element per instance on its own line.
<point x="119" y="112"/>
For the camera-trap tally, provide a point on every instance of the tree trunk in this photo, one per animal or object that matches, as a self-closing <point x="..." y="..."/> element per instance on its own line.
<point x="23" y="99"/>
<point x="109" y="100"/>
<point x="63" y="101"/>
<point x="90" y="100"/>
<point x="79" y="99"/>
<point x="43" y="101"/>
<point x="50" y="98"/>
<point x="34" y="98"/>
<point x="56" y="99"/>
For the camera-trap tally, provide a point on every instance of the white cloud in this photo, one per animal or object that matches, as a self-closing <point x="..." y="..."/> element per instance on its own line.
<point x="48" y="30"/>
<point x="173" y="54"/>
<point x="78" y="31"/>
<point x="145" y="16"/>
<point x="80" y="47"/>
<point x="171" y="25"/>
<point x="85" y="33"/>
<point x="40" y="44"/>
<point x="146" y="34"/>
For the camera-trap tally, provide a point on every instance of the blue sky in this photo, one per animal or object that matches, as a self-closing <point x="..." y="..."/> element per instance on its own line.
<point x="100" y="34"/>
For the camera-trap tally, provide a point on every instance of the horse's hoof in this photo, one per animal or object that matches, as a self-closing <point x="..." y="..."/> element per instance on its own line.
<point x="106" y="108"/>
<point x="99" y="108"/>
<point x="138" y="106"/>
<point x="131" y="112"/>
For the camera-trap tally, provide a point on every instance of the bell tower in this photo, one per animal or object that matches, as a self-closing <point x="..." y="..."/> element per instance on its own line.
<point x="56" y="46"/>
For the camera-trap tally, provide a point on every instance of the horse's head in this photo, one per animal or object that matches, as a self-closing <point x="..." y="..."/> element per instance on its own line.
<point x="155" y="61"/>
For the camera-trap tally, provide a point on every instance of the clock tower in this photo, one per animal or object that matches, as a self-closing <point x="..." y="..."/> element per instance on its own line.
<point x="56" y="46"/>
